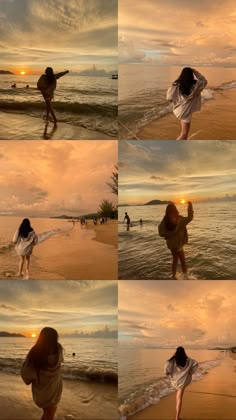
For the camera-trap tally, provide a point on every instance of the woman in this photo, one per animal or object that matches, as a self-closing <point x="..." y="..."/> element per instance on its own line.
<point x="173" y="229"/>
<point x="47" y="84"/>
<point x="42" y="369"/>
<point x="180" y="369"/>
<point x="24" y="239"/>
<point x="185" y="93"/>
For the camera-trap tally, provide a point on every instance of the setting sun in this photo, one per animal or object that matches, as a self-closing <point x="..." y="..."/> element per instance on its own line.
<point x="22" y="72"/>
<point x="182" y="201"/>
<point x="33" y="335"/>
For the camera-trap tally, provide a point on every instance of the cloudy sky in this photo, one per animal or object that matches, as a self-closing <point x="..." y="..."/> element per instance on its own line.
<point x="74" y="34"/>
<point x="170" y="170"/>
<point x="169" y="314"/>
<point x="178" y="32"/>
<point x="71" y="306"/>
<point x="45" y="178"/>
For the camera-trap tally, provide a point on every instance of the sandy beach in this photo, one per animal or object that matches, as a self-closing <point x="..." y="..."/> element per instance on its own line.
<point x="24" y="127"/>
<point x="211" y="398"/>
<point x="215" y="121"/>
<point x="80" y="400"/>
<point x="80" y="253"/>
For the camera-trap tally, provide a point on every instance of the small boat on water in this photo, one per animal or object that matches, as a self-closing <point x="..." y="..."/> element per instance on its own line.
<point x="114" y="76"/>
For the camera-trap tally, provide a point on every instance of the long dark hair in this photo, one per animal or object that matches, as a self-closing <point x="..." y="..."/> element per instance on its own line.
<point x="25" y="228"/>
<point x="185" y="81"/>
<point x="170" y="209"/>
<point x="50" y="75"/>
<point x="180" y="357"/>
<point x="46" y="344"/>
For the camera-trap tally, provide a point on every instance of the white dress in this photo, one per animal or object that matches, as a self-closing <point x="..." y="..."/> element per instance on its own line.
<point x="24" y="246"/>
<point x="181" y="376"/>
<point x="183" y="105"/>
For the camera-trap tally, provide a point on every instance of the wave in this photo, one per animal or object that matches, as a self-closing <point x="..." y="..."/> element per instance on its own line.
<point x="130" y="128"/>
<point x="71" y="373"/>
<point x="42" y="237"/>
<point x="71" y="107"/>
<point x="152" y="393"/>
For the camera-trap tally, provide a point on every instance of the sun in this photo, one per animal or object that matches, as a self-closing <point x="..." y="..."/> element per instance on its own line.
<point x="33" y="335"/>
<point x="182" y="201"/>
<point x="22" y="73"/>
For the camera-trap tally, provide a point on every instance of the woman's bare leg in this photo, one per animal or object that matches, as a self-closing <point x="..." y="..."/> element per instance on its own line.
<point x="185" y="127"/>
<point x="27" y="265"/>
<point x="179" y="399"/>
<point x="174" y="264"/>
<point x="21" y="264"/>
<point x="51" y="110"/>
<point x="49" y="413"/>
<point x="183" y="261"/>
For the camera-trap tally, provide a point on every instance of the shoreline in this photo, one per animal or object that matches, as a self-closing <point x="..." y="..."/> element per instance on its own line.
<point x="213" y="397"/>
<point x="215" y="121"/>
<point x="80" y="400"/>
<point x="77" y="254"/>
<point x="33" y="128"/>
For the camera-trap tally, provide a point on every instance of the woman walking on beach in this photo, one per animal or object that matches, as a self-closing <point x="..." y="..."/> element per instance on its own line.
<point x="47" y="84"/>
<point x="185" y="93"/>
<point x="180" y="369"/>
<point x="24" y="239"/>
<point x="42" y="369"/>
<point x="173" y="229"/>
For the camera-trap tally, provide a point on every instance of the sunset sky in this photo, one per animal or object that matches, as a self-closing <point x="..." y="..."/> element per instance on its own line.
<point x="50" y="178"/>
<point x="168" y="314"/>
<point x="177" y="32"/>
<point x="170" y="170"/>
<point x="69" y="306"/>
<point x="75" y="35"/>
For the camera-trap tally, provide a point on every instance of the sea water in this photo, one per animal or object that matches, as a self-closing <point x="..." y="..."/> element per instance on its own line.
<point x="210" y="253"/>
<point x="89" y="102"/>
<point x="142" y="92"/>
<point x="141" y="375"/>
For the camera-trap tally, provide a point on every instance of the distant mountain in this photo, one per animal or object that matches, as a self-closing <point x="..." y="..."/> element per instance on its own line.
<point x="7" y="334"/>
<point x="6" y="72"/>
<point x="157" y="202"/>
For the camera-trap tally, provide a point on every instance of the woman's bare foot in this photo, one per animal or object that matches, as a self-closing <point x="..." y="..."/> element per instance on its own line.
<point x="19" y="274"/>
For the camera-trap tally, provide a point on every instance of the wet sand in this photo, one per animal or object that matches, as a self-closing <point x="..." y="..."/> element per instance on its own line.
<point x="80" y="400"/>
<point x="215" y="121"/>
<point x="24" y="127"/>
<point x="214" y="397"/>
<point x="77" y="254"/>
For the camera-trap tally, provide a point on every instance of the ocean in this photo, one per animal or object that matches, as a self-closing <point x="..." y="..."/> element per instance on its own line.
<point x="89" y="102"/>
<point x="210" y="253"/>
<point x="142" y="92"/>
<point x="141" y="375"/>
<point x="95" y="358"/>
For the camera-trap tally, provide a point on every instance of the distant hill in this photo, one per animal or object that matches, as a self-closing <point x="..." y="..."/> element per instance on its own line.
<point x="6" y="72"/>
<point x="157" y="202"/>
<point x="84" y="216"/>
<point x="7" y="334"/>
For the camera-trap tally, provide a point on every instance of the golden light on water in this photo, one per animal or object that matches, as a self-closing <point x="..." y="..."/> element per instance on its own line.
<point x="182" y="201"/>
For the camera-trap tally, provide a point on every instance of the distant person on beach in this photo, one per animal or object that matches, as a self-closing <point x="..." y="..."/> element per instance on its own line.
<point x="173" y="229"/>
<point x="141" y="222"/>
<point x="24" y="239"/>
<point x="180" y="369"/>
<point x="185" y="93"/>
<point x="42" y="369"/>
<point x="47" y="84"/>
<point x="127" y="219"/>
